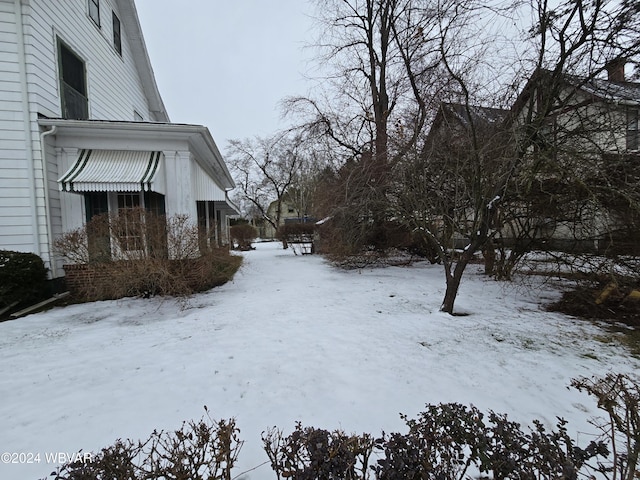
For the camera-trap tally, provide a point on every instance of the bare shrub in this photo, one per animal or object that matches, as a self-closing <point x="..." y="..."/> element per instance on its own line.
<point x="447" y="441"/>
<point x="243" y="235"/>
<point x="203" y="450"/>
<point x="619" y="396"/>
<point x="138" y="253"/>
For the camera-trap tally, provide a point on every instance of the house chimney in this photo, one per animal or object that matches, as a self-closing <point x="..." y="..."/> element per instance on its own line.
<point x="615" y="70"/>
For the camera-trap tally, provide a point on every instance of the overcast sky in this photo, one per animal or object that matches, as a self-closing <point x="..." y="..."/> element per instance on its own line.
<point x="226" y="64"/>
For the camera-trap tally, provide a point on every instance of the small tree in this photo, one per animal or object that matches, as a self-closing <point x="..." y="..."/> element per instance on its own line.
<point x="265" y="169"/>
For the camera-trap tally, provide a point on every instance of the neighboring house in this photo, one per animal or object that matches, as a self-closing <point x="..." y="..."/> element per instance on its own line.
<point x="448" y="146"/>
<point x="590" y="126"/>
<point x="84" y="131"/>
<point x="567" y="129"/>
<point x="288" y="213"/>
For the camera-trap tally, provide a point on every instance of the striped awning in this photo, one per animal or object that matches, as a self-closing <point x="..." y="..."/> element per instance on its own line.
<point x="111" y="171"/>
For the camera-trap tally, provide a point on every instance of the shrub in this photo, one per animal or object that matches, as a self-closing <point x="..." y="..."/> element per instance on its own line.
<point x="243" y="235"/>
<point x="297" y="234"/>
<point x="311" y="453"/>
<point x="447" y="442"/>
<point x="23" y="278"/>
<point x="156" y="276"/>
<point x="137" y="253"/>
<point x="204" y="450"/>
<point x="293" y="232"/>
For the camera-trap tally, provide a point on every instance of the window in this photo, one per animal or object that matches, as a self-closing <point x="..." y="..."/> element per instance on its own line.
<point x="99" y="243"/>
<point x="156" y="226"/>
<point x="117" y="36"/>
<point x="130" y="221"/>
<point x="73" y="87"/>
<point x="94" y="11"/>
<point x="633" y="130"/>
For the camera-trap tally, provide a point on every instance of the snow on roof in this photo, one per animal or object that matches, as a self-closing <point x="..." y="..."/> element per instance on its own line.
<point x="621" y="92"/>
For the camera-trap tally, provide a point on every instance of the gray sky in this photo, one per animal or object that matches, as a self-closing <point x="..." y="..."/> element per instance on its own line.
<point x="226" y="64"/>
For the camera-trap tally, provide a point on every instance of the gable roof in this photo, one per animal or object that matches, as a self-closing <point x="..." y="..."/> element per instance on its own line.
<point x="598" y="89"/>
<point x="131" y="25"/>
<point x="627" y="93"/>
<point x="466" y="115"/>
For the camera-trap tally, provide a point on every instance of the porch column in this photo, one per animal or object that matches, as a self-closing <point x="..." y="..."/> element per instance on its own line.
<point x="179" y="198"/>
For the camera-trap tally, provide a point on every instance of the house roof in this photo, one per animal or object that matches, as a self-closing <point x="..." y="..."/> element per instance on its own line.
<point x="474" y="113"/>
<point x="465" y="115"/>
<point x="627" y="93"/>
<point x="131" y="26"/>
<point x="623" y="93"/>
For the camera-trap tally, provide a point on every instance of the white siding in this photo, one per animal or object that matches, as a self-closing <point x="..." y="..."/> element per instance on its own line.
<point x="113" y="83"/>
<point x="15" y="202"/>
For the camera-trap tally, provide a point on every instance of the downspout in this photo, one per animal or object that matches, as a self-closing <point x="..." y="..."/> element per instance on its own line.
<point x="47" y="203"/>
<point x="22" y="62"/>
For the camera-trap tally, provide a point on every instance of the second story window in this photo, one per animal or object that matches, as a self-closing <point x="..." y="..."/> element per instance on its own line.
<point x="117" y="35"/>
<point x="73" y="86"/>
<point x="94" y="11"/>
<point x="633" y="129"/>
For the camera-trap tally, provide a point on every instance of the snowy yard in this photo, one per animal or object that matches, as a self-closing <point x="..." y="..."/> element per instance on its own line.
<point x="291" y="338"/>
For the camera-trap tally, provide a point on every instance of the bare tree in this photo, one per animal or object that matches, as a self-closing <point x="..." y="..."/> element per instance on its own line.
<point x="373" y="108"/>
<point x="265" y="169"/>
<point x="397" y="61"/>
<point x="473" y="182"/>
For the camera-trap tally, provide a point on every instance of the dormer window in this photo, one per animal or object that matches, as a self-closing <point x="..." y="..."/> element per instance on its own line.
<point x="94" y="11"/>
<point x="633" y="132"/>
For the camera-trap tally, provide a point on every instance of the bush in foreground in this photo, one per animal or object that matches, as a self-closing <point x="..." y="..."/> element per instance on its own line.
<point x="204" y="450"/>
<point x="446" y="442"/>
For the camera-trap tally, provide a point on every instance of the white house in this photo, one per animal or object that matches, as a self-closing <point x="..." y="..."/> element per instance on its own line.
<point x="588" y="125"/>
<point x="83" y="129"/>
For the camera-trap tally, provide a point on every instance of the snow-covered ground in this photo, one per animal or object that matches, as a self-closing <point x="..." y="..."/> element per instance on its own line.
<point x="291" y="338"/>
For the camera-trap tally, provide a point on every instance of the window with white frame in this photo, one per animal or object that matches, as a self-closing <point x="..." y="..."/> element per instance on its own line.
<point x="94" y="11"/>
<point x="130" y="221"/>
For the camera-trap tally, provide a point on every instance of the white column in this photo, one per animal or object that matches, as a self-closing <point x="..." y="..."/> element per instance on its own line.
<point x="178" y="174"/>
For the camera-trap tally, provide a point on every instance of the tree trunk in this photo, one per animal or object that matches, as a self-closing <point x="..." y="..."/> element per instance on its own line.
<point x="453" y="281"/>
<point x="450" y="294"/>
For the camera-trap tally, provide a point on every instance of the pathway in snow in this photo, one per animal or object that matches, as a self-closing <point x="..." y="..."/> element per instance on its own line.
<point x="291" y="338"/>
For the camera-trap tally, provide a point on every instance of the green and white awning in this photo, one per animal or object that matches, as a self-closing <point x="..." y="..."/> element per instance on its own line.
<point x="111" y="171"/>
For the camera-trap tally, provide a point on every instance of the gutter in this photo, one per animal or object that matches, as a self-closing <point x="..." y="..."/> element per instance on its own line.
<point x="47" y="203"/>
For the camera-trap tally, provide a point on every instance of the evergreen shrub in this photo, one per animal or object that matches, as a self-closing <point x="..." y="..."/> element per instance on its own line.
<point x="23" y="278"/>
